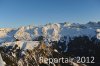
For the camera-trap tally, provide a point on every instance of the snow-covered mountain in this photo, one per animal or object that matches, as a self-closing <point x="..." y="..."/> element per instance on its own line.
<point x="51" y="31"/>
<point x="23" y="40"/>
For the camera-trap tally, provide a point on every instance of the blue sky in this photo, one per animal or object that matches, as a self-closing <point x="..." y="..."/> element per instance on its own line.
<point x="15" y="13"/>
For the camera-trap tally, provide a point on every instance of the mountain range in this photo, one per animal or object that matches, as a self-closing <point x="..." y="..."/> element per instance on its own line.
<point x="18" y="46"/>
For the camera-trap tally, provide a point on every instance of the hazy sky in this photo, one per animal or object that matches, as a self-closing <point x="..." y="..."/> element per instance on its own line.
<point x="15" y="13"/>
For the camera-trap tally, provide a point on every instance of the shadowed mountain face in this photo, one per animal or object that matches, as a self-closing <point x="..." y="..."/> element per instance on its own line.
<point x="24" y="46"/>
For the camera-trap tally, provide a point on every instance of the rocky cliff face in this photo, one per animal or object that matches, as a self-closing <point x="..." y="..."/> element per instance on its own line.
<point x="23" y="46"/>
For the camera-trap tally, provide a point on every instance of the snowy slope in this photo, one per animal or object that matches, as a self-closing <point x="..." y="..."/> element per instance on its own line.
<point x="2" y="63"/>
<point x="22" y="44"/>
<point x="11" y="49"/>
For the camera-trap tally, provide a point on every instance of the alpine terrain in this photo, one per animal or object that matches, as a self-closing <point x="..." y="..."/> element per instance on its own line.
<point x="24" y="46"/>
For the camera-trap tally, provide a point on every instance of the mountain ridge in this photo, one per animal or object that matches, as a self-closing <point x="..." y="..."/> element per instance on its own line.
<point x="52" y="31"/>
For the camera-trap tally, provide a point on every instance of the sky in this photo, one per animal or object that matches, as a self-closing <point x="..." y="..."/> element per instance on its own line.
<point x="15" y="13"/>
